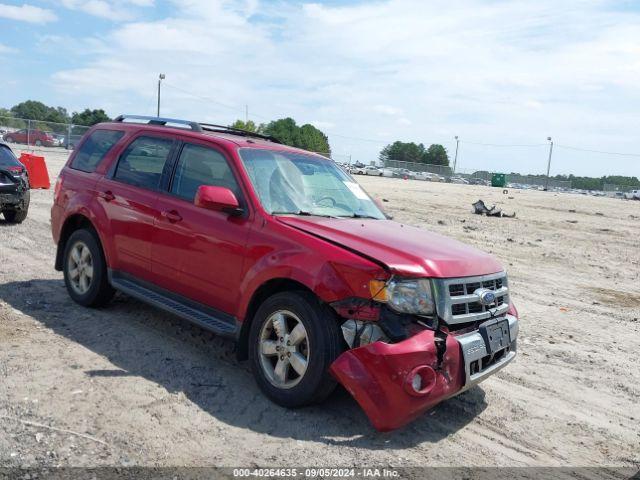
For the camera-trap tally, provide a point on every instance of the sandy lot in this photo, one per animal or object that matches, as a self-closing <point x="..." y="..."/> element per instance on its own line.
<point x="129" y="385"/>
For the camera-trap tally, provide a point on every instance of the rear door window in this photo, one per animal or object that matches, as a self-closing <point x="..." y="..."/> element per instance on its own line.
<point x="143" y="161"/>
<point x="94" y="149"/>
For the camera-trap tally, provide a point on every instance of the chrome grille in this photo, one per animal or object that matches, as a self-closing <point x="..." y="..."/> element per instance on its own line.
<point x="458" y="303"/>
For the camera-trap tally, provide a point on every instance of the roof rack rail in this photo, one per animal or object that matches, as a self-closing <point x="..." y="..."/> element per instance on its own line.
<point x="161" y="121"/>
<point x="210" y="127"/>
<point x="194" y="126"/>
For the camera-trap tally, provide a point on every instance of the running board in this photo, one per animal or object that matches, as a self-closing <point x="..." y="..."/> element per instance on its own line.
<point x="185" y="309"/>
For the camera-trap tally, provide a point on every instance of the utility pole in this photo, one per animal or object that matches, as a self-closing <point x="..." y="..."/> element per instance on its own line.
<point x="455" y="159"/>
<point x="160" y="78"/>
<point x="246" y="115"/>
<point x="546" y="187"/>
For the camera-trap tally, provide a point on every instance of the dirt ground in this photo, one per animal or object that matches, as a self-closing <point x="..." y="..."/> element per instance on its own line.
<point x="130" y="385"/>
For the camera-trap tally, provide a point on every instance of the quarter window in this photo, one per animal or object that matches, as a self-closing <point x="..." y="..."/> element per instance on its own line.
<point x="142" y="162"/>
<point x="201" y="166"/>
<point x="94" y="149"/>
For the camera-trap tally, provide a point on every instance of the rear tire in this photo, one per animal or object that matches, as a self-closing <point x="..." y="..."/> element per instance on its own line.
<point x="269" y="349"/>
<point x="10" y="140"/>
<point x="85" y="270"/>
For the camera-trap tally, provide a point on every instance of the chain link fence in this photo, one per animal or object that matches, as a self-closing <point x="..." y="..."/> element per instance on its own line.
<point x="443" y="170"/>
<point x="538" y="180"/>
<point x="483" y="176"/>
<point x="38" y="133"/>
<point x="609" y="187"/>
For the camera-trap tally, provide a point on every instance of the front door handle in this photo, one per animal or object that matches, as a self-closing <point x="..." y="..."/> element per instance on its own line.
<point x="171" y="215"/>
<point x="108" y="196"/>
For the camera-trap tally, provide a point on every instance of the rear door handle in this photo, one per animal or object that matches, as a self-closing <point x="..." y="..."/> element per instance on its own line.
<point x="108" y="196"/>
<point x="171" y="215"/>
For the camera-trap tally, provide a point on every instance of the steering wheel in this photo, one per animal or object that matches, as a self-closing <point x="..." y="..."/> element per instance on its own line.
<point x="333" y="201"/>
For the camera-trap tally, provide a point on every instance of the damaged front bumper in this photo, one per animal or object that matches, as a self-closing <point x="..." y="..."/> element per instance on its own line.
<point x="381" y="376"/>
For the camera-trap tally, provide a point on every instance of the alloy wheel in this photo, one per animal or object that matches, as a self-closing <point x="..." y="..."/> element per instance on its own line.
<point x="80" y="268"/>
<point x="284" y="349"/>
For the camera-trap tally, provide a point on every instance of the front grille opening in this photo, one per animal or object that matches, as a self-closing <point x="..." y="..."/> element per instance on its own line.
<point x="474" y="367"/>
<point x="475" y="307"/>
<point x="472" y="287"/>
<point x="459" y="309"/>
<point x="456" y="290"/>
<point x="485" y="362"/>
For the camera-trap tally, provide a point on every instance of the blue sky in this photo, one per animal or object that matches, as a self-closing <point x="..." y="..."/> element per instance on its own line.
<point x="367" y="73"/>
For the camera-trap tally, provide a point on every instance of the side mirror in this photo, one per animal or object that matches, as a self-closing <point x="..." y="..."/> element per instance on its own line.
<point x="220" y="199"/>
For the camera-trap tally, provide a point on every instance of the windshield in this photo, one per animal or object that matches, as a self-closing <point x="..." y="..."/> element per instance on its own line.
<point x="300" y="184"/>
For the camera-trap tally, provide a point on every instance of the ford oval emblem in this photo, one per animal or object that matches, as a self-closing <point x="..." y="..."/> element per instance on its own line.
<point x="487" y="297"/>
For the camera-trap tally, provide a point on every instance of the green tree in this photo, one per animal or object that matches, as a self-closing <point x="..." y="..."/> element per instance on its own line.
<point x="285" y="130"/>
<point x="307" y="136"/>
<point x="248" y="126"/>
<point x="34" y="110"/>
<point x="89" y="117"/>
<point x="412" y="152"/>
<point x="314" y="140"/>
<point x="437" y="155"/>
<point x="401" y="151"/>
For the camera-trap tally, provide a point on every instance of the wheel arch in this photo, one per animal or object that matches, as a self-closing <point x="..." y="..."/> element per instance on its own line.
<point x="71" y="224"/>
<point x="264" y="291"/>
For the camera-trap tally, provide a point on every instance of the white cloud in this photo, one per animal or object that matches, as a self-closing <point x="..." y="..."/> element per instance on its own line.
<point x="4" y="49"/>
<point x="27" y="13"/>
<point x="387" y="110"/>
<point x="109" y="9"/>
<point x="493" y="72"/>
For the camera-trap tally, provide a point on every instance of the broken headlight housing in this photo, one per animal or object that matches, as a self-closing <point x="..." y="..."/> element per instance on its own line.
<point x="413" y="296"/>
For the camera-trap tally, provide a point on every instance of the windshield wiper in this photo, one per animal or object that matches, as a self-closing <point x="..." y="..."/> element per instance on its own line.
<point x="359" y="215"/>
<point x="303" y="213"/>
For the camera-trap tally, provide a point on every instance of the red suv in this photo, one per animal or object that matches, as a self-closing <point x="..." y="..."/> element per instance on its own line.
<point x="283" y="251"/>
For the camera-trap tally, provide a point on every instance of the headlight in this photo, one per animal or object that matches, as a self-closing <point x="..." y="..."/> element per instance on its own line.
<point x="406" y="296"/>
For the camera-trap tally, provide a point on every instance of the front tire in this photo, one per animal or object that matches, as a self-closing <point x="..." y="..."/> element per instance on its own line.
<point x="85" y="270"/>
<point x="292" y="342"/>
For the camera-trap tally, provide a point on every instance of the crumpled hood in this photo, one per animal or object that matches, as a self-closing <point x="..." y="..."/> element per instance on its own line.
<point x="404" y="249"/>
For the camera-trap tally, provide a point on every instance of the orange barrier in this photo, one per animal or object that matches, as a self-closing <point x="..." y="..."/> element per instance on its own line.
<point x="37" y="169"/>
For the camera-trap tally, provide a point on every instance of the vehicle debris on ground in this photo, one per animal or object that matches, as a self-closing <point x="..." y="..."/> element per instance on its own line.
<point x="479" y="208"/>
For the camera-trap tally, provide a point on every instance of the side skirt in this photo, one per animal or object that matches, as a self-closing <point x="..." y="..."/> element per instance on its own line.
<point x="205" y="317"/>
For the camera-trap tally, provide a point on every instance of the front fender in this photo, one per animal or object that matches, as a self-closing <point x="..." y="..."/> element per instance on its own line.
<point x="329" y="281"/>
<point x="329" y="271"/>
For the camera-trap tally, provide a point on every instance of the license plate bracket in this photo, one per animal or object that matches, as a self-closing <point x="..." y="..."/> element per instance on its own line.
<point x="496" y="334"/>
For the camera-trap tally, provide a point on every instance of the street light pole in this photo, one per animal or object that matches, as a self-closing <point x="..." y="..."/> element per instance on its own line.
<point x="160" y="78"/>
<point x="546" y="187"/>
<point x="455" y="159"/>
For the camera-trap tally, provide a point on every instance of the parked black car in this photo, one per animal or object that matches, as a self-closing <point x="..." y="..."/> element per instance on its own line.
<point x="14" y="186"/>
